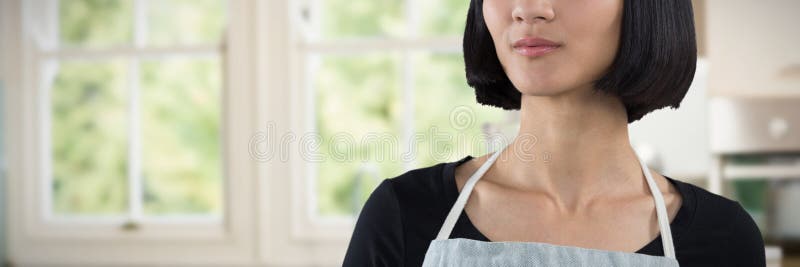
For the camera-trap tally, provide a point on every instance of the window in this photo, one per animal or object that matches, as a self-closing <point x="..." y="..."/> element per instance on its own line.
<point x="388" y="94"/>
<point x="138" y="118"/>
<point x="127" y="139"/>
<point x="155" y="150"/>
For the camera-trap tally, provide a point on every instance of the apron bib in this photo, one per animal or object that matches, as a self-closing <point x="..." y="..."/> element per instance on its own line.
<point x="467" y="252"/>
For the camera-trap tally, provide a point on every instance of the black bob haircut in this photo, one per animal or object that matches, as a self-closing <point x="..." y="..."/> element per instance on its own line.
<point x="654" y="65"/>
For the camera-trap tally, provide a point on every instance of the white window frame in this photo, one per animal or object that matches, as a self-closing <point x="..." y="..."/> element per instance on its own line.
<point x="36" y="240"/>
<point x="133" y="56"/>
<point x="267" y="219"/>
<point x="328" y="237"/>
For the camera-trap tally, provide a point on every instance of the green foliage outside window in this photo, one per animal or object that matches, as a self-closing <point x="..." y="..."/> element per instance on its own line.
<point x="362" y="93"/>
<point x="356" y="95"/>
<point x="179" y="110"/>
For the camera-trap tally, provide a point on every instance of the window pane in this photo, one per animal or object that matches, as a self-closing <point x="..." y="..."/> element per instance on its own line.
<point x="92" y="23"/>
<point x="441" y="77"/>
<point x="181" y="161"/>
<point x="362" y="18"/>
<point x="172" y="22"/>
<point x="89" y="138"/>
<point x="357" y="97"/>
<point x="443" y="17"/>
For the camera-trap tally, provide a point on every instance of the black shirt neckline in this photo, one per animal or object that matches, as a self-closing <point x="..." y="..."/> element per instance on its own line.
<point x="679" y="224"/>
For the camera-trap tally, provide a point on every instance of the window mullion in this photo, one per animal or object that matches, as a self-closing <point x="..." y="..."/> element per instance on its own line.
<point x="412" y="18"/>
<point x="135" y="181"/>
<point x="412" y="23"/>
<point x="408" y="108"/>
<point x="135" y="191"/>
<point x="128" y="51"/>
<point x="140" y="22"/>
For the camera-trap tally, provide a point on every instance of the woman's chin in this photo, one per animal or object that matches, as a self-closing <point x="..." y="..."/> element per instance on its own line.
<point x="541" y="90"/>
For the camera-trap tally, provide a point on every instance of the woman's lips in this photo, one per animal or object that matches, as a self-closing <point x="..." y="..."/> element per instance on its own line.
<point x="534" y="47"/>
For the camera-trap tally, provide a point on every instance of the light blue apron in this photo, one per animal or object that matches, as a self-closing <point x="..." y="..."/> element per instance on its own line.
<point x="467" y="252"/>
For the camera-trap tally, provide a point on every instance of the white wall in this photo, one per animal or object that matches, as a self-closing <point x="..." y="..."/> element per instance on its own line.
<point x="679" y="136"/>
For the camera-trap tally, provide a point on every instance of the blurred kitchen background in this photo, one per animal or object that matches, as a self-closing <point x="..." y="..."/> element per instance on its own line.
<point x="231" y="133"/>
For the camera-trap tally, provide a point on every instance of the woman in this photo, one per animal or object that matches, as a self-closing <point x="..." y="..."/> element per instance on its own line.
<point x="579" y="71"/>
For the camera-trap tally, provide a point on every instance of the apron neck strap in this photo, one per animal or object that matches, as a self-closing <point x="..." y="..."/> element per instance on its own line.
<point x="461" y="201"/>
<point x="458" y="207"/>
<point x="661" y="211"/>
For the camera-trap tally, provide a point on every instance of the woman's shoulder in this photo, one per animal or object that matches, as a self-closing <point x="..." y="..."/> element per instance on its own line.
<point x="416" y="194"/>
<point x="400" y="217"/>
<point x="432" y="181"/>
<point x="711" y="207"/>
<point x="711" y="210"/>
<point x="717" y="225"/>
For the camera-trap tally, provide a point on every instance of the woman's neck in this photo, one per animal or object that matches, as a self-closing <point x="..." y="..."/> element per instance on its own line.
<point x="572" y="147"/>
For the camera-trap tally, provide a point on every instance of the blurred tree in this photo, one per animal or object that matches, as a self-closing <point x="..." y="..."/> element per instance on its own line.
<point x="180" y="108"/>
<point x="89" y="138"/>
<point x="361" y="94"/>
<point x="92" y="23"/>
<point x="357" y="94"/>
